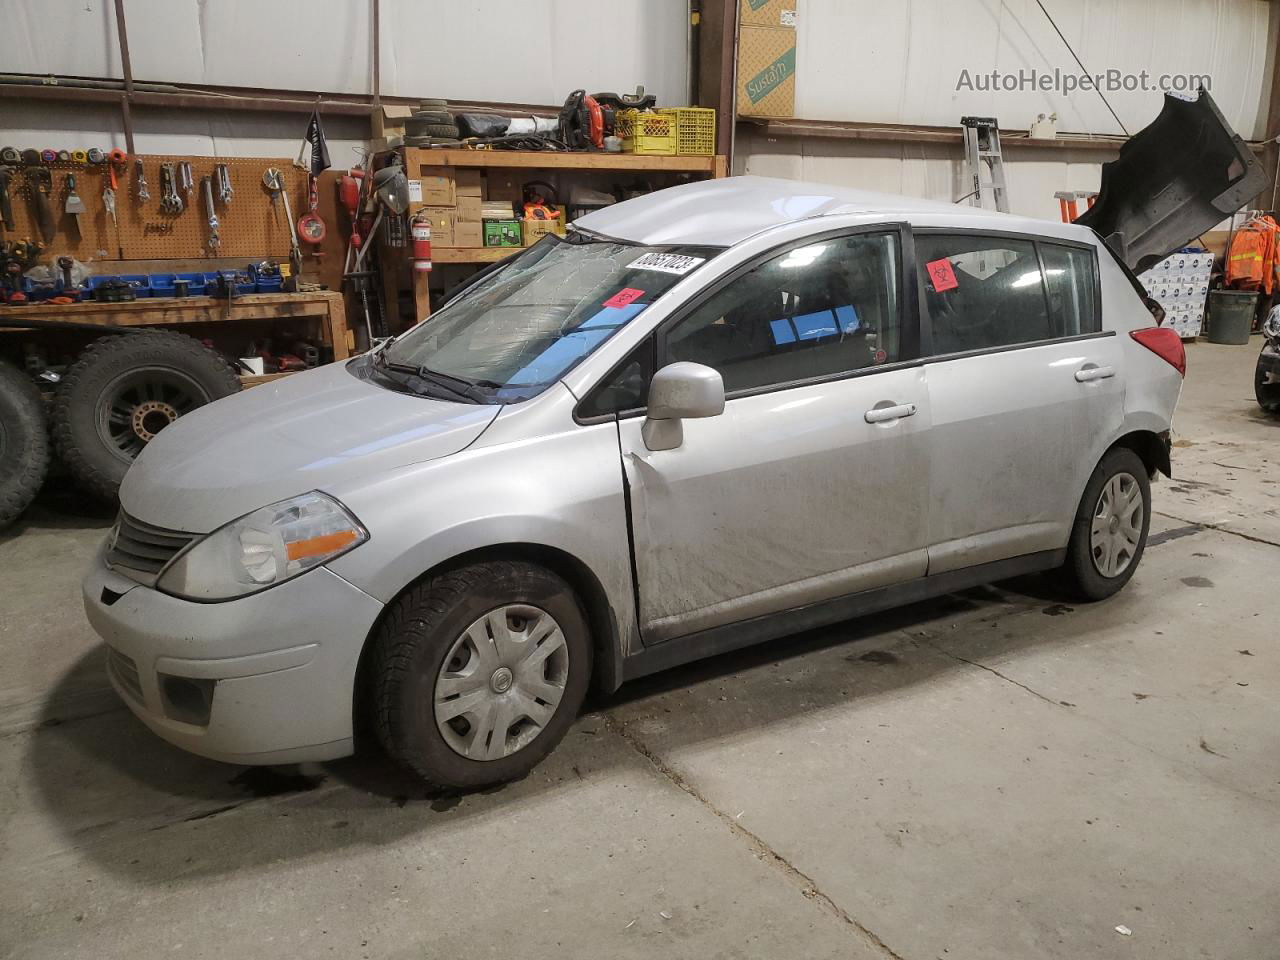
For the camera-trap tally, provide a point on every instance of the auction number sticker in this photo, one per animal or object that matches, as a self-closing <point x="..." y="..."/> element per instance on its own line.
<point x="667" y="262"/>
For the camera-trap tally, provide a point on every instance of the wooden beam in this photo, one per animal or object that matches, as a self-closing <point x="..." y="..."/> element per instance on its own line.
<point x="1270" y="153"/>
<point x="122" y="35"/>
<point x="716" y="66"/>
<point x="553" y="160"/>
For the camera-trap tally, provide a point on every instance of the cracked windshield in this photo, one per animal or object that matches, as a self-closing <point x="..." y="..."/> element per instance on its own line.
<point x="520" y="329"/>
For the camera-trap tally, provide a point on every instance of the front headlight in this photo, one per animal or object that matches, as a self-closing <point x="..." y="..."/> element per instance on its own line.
<point x="264" y="548"/>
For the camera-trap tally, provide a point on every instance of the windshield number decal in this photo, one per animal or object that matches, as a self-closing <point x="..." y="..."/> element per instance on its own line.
<point x="942" y="275"/>
<point x="667" y="263"/>
<point x="623" y="297"/>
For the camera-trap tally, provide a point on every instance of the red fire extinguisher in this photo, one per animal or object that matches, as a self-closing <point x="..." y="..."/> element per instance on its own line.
<point x="420" y="248"/>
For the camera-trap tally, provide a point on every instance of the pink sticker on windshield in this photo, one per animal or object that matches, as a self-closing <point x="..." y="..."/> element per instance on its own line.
<point x="623" y="297"/>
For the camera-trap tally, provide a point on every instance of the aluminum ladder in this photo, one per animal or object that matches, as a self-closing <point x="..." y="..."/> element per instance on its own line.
<point x="982" y="148"/>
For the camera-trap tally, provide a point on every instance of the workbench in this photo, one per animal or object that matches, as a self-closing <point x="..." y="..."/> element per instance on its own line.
<point x="324" y="307"/>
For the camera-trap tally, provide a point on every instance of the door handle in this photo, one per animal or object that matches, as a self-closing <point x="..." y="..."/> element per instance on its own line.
<point x="1087" y="374"/>
<point x="885" y="414"/>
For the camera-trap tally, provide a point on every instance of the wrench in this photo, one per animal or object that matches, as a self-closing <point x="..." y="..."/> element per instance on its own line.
<point x="224" y="183"/>
<point x="143" y="193"/>
<point x="170" y="202"/>
<point x="207" y="184"/>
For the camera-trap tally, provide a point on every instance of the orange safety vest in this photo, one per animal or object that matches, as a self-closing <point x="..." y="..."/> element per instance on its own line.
<point x="1254" y="257"/>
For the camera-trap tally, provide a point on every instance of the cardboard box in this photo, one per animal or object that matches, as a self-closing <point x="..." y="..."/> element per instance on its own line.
<point x="767" y="13"/>
<point x="437" y="187"/>
<point x="467" y="183"/>
<point x="468" y="233"/>
<point x="766" y="72"/>
<point x="503" y="233"/>
<point x="535" y="230"/>
<point x="441" y="224"/>
<point x="468" y="209"/>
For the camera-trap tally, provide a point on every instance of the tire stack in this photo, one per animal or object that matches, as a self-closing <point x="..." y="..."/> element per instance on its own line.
<point x="111" y="401"/>
<point x="430" y="124"/>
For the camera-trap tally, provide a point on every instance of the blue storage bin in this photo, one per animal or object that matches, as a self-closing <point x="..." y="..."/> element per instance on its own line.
<point x="269" y="284"/>
<point x="141" y="283"/>
<point x="245" y="284"/>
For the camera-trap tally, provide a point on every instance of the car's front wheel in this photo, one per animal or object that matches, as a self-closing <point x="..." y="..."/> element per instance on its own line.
<point x="478" y="672"/>
<point x="1110" y="529"/>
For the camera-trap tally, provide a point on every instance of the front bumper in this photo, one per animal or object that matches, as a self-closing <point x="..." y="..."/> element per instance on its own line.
<point x="276" y="669"/>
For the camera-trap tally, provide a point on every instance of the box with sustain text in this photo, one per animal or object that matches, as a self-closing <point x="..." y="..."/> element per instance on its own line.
<point x="766" y="71"/>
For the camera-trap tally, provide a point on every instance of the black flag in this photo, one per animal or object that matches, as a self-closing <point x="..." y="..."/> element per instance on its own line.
<point x="319" y="149"/>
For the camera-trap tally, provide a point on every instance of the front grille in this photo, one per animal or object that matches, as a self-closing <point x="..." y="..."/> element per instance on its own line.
<point x="143" y="549"/>
<point x="125" y="672"/>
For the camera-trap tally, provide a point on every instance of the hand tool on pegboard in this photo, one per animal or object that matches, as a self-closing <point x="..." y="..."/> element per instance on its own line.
<point x="170" y="202"/>
<point x="6" y="206"/>
<point x="74" y="206"/>
<point x="214" y="242"/>
<point x="40" y="183"/>
<point x="185" y="183"/>
<point x="115" y="161"/>
<point x="223" y="176"/>
<point x="273" y="180"/>
<point x="140" y="173"/>
<point x="310" y="227"/>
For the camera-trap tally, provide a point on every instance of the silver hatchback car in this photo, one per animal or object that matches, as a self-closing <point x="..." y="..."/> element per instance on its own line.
<point x="706" y="418"/>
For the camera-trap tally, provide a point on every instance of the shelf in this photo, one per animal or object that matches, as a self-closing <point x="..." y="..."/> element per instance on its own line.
<point x="472" y="254"/>
<point x="552" y="160"/>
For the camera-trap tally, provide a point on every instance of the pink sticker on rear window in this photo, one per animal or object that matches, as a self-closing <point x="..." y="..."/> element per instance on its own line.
<point x="942" y="275"/>
<point x="623" y="297"/>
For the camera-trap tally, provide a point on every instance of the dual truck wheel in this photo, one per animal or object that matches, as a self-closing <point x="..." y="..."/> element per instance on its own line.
<point x="120" y="392"/>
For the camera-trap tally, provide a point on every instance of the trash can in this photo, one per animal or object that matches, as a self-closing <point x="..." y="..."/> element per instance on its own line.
<point x="1231" y="315"/>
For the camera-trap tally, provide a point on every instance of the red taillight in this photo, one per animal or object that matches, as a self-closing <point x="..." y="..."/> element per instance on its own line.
<point x="1165" y="344"/>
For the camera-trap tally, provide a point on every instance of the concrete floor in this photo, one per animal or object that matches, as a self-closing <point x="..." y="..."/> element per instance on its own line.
<point x="988" y="775"/>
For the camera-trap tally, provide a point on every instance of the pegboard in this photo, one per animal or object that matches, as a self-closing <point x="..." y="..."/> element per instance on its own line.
<point x="250" y="226"/>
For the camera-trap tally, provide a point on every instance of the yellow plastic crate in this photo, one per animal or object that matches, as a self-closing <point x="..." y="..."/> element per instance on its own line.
<point x="652" y="134"/>
<point x="695" y="130"/>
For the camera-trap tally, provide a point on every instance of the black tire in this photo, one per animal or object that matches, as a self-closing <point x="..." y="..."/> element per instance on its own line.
<point x="442" y="128"/>
<point x="24" y="442"/>
<point x="431" y="104"/>
<point x="153" y="377"/>
<point x="1267" y="394"/>
<point x="420" y="630"/>
<point x="430" y="116"/>
<point x="1080" y="577"/>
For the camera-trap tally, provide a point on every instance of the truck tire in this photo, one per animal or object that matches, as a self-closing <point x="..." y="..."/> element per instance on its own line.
<point x="1266" y="392"/>
<point x="477" y="673"/>
<point x="24" y="442"/>
<point x="121" y="391"/>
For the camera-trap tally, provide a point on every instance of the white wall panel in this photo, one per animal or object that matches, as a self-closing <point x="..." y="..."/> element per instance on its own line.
<point x="524" y="51"/>
<point x="867" y="60"/>
<point x="927" y="170"/>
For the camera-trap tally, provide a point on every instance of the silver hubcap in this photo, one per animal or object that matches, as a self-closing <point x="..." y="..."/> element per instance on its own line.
<point x="1117" y="525"/>
<point x="501" y="682"/>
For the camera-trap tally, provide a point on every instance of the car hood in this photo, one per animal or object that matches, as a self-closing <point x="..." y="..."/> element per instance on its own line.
<point x="1173" y="180"/>
<point x="300" y="433"/>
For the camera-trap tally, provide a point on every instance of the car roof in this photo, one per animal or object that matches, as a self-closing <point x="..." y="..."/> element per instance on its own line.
<point x="724" y="212"/>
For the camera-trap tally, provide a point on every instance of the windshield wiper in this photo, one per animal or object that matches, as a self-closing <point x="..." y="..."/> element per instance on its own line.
<point x="461" y="386"/>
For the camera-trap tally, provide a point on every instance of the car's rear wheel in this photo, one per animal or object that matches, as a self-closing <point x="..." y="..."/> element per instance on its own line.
<point x="1109" y="534"/>
<point x="478" y="672"/>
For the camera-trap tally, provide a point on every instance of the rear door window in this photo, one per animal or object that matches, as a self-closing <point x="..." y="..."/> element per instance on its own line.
<point x="982" y="292"/>
<point x="1070" y="276"/>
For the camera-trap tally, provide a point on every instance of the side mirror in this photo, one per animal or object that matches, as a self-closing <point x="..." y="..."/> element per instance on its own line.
<point x="677" y="392"/>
